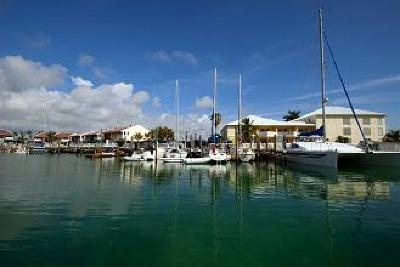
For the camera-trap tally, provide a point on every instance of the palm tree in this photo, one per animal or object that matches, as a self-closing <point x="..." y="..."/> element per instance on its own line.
<point x="247" y="130"/>
<point x="291" y="115"/>
<point x="392" y="136"/>
<point x="138" y="136"/>
<point x="161" y="133"/>
<point x="218" y="119"/>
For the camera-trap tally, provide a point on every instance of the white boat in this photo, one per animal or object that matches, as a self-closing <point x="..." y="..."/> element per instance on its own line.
<point x="217" y="156"/>
<point x="148" y="155"/>
<point x="310" y="154"/>
<point x="175" y="155"/>
<point x="134" y="157"/>
<point x="246" y="155"/>
<point x="197" y="160"/>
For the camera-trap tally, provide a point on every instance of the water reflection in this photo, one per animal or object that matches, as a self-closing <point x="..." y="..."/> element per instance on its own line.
<point x="230" y="214"/>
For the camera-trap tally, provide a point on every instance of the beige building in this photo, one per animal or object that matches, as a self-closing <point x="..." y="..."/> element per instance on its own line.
<point x="340" y="122"/>
<point x="267" y="128"/>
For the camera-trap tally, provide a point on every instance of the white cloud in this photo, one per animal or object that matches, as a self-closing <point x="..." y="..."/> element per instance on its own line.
<point x="177" y="56"/>
<point x="156" y="102"/>
<point x="83" y="107"/>
<point x="78" y="81"/>
<point x="24" y="100"/>
<point x="86" y="60"/>
<point x="18" y="74"/>
<point x="354" y="87"/>
<point x="204" y="102"/>
<point x="90" y="62"/>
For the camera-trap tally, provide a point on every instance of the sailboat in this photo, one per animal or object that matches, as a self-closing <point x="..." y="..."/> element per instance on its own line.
<point x="216" y="154"/>
<point x="176" y="154"/>
<point x="243" y="154"/>
<point x="328" y="154"/>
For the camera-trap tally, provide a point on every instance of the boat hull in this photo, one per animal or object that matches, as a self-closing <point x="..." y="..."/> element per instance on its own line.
<point x="316" y="158"/>
<point x="173" y="160"/>
<point x="376" y="159"/>
<point x="197" y="160"/>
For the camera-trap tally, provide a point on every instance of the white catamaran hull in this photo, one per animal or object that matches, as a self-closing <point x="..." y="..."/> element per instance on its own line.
<point x="316" y="158"/>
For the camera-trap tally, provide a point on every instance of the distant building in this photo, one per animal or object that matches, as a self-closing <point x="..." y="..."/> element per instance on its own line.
<point x="267" y="128"/>
<point x="89" y="137"/>
<point x="129" y="133"/>
<point x="5" y="135"/>
<point x="113" y="134"/>
<point x="64" y="137"/>
<point x="340" y="122"/>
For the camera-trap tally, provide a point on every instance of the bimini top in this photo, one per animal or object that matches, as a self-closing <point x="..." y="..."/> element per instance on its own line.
<point x="338" y="111"/>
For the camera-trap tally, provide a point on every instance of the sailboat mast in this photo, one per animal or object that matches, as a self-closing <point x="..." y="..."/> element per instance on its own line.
<point x="177" y="112"/>
<point x="240" y="109"/>
<point x="323" y="84"/>
<point x="214" y="103"/>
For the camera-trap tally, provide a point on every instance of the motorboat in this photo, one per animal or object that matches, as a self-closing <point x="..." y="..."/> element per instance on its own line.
<point x="134" y="157"/>
<point x="175" y="155"/>
<point x="149" y="155"/>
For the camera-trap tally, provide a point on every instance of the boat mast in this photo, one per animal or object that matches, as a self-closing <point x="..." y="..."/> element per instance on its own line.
<point x="323" y="85"/>
<point x="214" y="104"/>
<point x="177" y="112"/>
<point x="240" y="109"/>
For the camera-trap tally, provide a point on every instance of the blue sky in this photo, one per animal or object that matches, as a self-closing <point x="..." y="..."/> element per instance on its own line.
<point x="272" y="43"/>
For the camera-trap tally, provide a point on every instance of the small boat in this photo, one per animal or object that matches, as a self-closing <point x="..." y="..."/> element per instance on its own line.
<point x="217" y="156"/>
<point x="149" y="155"/>
<point x="175" y="155"/>
<point x="134" y="157"/>
<point x="197" y="160"/>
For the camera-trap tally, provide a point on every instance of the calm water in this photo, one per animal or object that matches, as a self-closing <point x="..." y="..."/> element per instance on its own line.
<point x="69" y="211"/>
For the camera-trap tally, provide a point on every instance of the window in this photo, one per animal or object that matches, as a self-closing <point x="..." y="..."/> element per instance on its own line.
<point x="380" y="131"/>
<point x="346" y="121"/>
<point x="380" y="121"/>
<point x="346" y="131"/>
<point x="366" y="121"/>
<point x="367" y="131"/>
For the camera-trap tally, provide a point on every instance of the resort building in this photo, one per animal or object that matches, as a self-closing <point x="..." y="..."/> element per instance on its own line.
<point x="267" y="128"/>
<point x="340" y="122"/>
<point x="133" y="131"/>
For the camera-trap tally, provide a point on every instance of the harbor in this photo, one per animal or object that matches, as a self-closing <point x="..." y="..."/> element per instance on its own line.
<point x="174" y="214"/>
<point x="212" y="133"/>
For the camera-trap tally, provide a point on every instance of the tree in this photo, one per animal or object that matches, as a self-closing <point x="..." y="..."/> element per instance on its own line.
<point x="51" y="136"/>
<point x="247" y="130"/>
<point x="138" y="136"/>
<point x="392" y="136"/>
<point x="161" y="133"/>
<point x="218" y="119"/>
<point x="291" y="115"/>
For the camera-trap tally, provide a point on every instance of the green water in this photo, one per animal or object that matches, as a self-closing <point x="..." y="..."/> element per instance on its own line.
<point x="71" y="211"/>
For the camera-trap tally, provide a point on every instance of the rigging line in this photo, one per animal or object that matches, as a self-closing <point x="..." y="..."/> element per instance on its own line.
<point x="345" y="90"/>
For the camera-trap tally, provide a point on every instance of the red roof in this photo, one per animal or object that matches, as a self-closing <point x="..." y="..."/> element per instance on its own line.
<point x="5" y="133"/>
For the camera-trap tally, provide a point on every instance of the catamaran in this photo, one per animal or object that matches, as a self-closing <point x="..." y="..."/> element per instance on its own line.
<point x="320" y="152"/>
